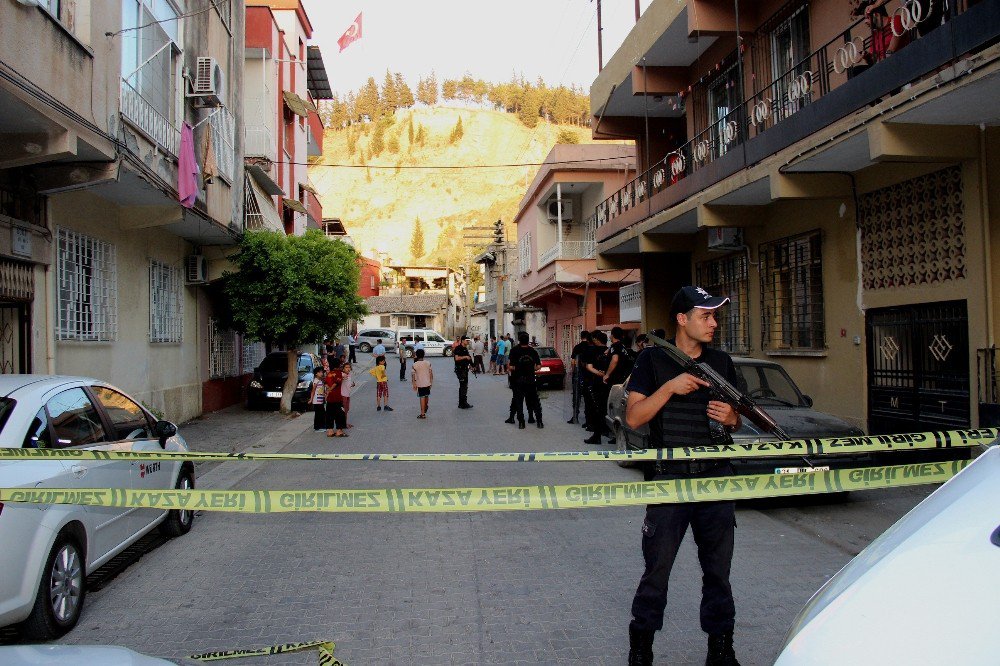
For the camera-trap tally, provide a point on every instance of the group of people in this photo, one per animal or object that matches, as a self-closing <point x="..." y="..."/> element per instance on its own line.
<point x="596" y="366"/>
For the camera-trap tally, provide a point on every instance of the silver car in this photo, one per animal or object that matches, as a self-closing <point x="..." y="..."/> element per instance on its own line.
<point x="48" y="550"/>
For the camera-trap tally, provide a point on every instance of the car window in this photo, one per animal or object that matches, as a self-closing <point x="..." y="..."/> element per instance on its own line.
<point x="546" y="352"/>
<point x="434" y="337"/>
<point x="127" y="418"/>
<point x="38" y="436"/>
<point x="74" y="419"/>
<point x="274" y="362"/>
<point x="305" y="363"/>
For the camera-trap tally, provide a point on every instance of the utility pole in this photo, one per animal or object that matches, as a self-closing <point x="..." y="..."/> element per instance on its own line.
<point x="500" y="266"/>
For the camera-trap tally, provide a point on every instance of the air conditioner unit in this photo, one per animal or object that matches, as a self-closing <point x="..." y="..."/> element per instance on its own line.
<point x="209" y="84"/>
<point x="567" y="210"/>
<point x="195" y="269"/>
<point x="725" y="239"/>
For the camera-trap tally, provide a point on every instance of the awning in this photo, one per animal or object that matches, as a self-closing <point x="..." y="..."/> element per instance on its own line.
<point x="294" y="205"/>
<point x="297" y="105"/>
<point x="259" y="210"/>
<point x="309" y="188"/>
<point x="265" y="181"/>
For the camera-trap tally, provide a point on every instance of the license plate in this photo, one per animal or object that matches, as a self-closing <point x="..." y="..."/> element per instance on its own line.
<point x="273" y="394"/>
<point x="801" y="470"/>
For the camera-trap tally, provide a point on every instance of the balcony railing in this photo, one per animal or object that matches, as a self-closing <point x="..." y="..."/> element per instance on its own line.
<point x="861" y="45"/>
<point x="568" y="250"/>
<point x="148" y="120"/>
<point x="630" y="302"/>
<point x="260" y="143"/>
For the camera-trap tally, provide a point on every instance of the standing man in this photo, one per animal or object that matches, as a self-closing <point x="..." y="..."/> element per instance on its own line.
<point x="401" y="351"/>
<point x="352" y="345"/>
<point x="574" y="363"/>
<point x="524" y="363"/>
<point x="478" y="349"/>
<point x="340" y="351"/>
<point x="620" y="360"/>
<point x="378" y="349"/>
<point x="678" y="406"/>
<point x="596" y="371"/>
<point x="463" y="363"/>
<point x="423" y="378"/>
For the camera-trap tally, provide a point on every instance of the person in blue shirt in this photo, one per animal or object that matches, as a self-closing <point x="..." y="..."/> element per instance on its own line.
<point x="378" y="350"/>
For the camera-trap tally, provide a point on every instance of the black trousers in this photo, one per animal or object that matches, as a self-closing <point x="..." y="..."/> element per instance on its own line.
<point x="319" y="416"/>
<point x="713" y="525"/>
<point x="527" y="392"/>
<point x="335" y="417"/>
<point x="402" y="368"/>
<point x="596" y="402"/>
<point x="463" y="391"/>
<point x="351" y="358"/>
<point x="577" y="393"/>
<point x="477" y="364"/>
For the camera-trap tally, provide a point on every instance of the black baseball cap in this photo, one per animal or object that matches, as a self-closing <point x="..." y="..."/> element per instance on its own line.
<point x="690" y="297"/>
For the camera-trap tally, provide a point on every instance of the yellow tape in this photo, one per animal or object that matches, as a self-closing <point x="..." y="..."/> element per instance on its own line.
<point x="503" y="498"/>
<point x="799" y="447"/>
<point x="324" y="648"/>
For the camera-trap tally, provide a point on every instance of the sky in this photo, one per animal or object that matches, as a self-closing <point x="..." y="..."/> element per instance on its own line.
<point x="553" y="39"/>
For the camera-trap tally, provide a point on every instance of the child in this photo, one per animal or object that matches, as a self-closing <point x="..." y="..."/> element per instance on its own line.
<point x="423" y="377"/>
<point x="381" y="384"/>
<point x="345" y="391"/>
<point x="334" y="406"/>
<point x="317" y="400"/>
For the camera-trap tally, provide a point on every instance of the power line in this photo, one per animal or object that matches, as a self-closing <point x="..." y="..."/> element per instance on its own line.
<point x="454" y="166"/>
<point x="211" y="6"/>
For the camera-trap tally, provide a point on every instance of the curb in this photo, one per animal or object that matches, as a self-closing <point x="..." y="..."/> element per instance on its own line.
<point x="226" y="475"/>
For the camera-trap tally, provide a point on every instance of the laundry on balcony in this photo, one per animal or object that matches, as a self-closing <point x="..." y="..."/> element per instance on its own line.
<point x="187" y="169"/>
<point x="297" y="105"/>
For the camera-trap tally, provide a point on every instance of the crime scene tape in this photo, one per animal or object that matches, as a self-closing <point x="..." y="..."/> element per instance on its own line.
<point x="798" y="447"/>
<point x="324" y="648"/>
<point x="502" y="498"/>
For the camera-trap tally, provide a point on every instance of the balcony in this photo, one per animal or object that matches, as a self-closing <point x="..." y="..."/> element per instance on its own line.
<point x="145" y="118"/>
<point x="260" y="142"/>
<point x="568" y="250"/>
<point x="630" y="302"/>
<point x="842" y="76"/>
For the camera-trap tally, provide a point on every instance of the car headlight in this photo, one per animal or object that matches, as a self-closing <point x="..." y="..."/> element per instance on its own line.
<point x="256" y="384"/>
<point x="544" y="369"/>
<point x="302" y="385"/>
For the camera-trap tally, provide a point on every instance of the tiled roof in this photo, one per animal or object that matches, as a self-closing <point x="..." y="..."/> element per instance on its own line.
<point x="411" y="303"/>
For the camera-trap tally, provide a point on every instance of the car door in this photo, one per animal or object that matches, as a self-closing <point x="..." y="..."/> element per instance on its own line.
<point x="77" y="423"/>
<point x="434" y="344"/>
<point x="131" y="429"/>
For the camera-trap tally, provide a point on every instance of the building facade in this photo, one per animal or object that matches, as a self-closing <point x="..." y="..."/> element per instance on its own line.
<point x="833" y="175"/>
<point x="556" y="243"/>
<point x="121" y="173"/>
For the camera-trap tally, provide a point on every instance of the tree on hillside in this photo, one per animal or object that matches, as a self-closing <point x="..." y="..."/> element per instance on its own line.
<point x="530" y="106"/>
<point x="403" y="93"/>
<point x="421" y="135"/>
<point x="368" y="102"/>
<point x="390" y="96"/>
<point x="288" y="291"/>
<point x="377" y="144"/>
<point x="449" y="89"/>
<point x="467" y="89"/>
<point x="409" y="130"/>
<point x="457" y="132"/>
<point x="567" y="136"/>
<point x="352" y="141"/>
<point x="431" y="90"/>
<point x="417" y="241"/>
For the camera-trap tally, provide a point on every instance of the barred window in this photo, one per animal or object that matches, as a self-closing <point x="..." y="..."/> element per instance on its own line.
<point x="223" y="124"/>
<point x="567" y="342"/>
<point x="88" y="288"/>
<point x="727" y="276"/>
<point x="166" y="303"/>
<point x="791" y="289"/>
<point x="524" y="254"/>
<point x="223" y="352"/>
<point x="253" y="354"/>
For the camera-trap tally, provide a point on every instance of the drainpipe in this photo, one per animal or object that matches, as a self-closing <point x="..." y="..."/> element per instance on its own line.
<point x="985" y="217"/>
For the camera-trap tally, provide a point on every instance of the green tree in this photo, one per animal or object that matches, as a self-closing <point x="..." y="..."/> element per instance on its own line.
<point x="390" y="96"/>
<point x="403" y="93"/>
<point x="352" y="142"/>
<point x="417" y="241"/>
<point x="449" y="89"/>
<point x="457" y="132"/>
<point x="409" y="130"/>
<point x="432" y="89"/>
<point x="289" y="291"/>
<point x="368" y="101"/>
<point x="421" y="135"/>
<point x="567" y="136"/>
<point x="392" y="145"/>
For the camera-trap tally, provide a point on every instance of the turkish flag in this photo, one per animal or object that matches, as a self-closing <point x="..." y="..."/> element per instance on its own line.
<point x="353" y="34"/>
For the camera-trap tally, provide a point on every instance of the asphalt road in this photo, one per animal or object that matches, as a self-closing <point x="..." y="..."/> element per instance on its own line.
<point x="508" y="587"/>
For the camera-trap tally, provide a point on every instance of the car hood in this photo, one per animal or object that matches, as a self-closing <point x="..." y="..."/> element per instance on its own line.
<point x="799" y="423"/>
<point x="76" y="655"/>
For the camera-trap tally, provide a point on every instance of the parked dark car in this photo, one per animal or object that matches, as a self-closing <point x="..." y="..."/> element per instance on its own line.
<point x="269" y="380"/>
<point x="773" y="390"/>
<point x="552" y="374"/>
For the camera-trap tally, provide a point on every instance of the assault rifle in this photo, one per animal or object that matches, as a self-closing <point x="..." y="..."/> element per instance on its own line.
<point x="722" y="389"/>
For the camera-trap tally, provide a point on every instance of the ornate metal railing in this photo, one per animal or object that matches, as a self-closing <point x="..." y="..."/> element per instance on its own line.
<point x="148" y="120"/>
<point x="568" y="250"/>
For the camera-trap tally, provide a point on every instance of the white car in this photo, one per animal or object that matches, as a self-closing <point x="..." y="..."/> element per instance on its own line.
<point x="48" y="550"/>
<point x="927" y="591"/>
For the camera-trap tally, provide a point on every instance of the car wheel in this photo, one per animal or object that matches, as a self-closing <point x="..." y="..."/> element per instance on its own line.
<point x="179" y="521"/>
<point x="365" y="348"/>
<point x="409" y="353"/>
<point x="446" y="352"/>
<point x="60" y="595"/>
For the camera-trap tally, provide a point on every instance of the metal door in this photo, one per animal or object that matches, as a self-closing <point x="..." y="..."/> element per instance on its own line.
<point x="15" y="334"/>
<point x="918" y="367"/>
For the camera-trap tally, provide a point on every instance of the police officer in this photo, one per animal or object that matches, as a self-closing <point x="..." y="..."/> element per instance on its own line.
<point x="677" y="406"/>
<point x="575" y="363"/>
<point x="463" y="362"/>
<point x="524" y="362"/>
<point x="596" y="395"/>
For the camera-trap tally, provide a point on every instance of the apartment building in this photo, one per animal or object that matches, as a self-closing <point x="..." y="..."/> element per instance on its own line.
<point x="833" y="174"/>
<point x="417" y="297"/>
<point x="118" y="159"/>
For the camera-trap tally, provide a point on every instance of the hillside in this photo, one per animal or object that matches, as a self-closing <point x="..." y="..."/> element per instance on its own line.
<point x="380" y="206"/>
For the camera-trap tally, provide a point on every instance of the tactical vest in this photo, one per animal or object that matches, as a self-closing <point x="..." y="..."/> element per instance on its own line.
<point x="684" y="421"/>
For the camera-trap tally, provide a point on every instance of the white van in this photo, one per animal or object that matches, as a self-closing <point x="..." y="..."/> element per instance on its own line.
<point x="434" y="343"/>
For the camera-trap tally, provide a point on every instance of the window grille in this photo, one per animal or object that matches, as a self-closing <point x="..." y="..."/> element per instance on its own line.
<point x="727" y="276"/>
<point x="166" y="303"/>
<point x="550" y="336"/>
<point x="222" y="351"/>
<point x="224" y="142"/>
<point x="791" y="287"/>
<point x="88" y="288"/>
<point x="567" y="342"/>
<point x="253" y="354"/>
<point x="524" y="254"/>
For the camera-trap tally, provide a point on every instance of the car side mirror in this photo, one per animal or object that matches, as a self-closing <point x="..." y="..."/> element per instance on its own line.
<point x="808" y="400"/>
<point x="164" y="430"/>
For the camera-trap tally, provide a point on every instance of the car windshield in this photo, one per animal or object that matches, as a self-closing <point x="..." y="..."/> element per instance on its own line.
<point x="6" y="407"/>
<point x="275" y="363"/>
<point x="768" y="384"/>
<point x="546" y="352"/>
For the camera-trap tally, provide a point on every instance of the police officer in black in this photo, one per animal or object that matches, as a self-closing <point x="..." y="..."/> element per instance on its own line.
<point x="524" y="362"/>
<point x="463" y="362"/>
<point x="677" y="406"/>
<point x="596" y="390"/>
<point x="575" y="363"/>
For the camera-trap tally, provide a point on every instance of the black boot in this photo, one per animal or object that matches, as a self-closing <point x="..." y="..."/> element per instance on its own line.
<point x="520" y="425"/>
<point x="640" y="647"/>
<point x="510" y="420"/>
<point x="539" y="423"/>
<point x="720" y="650"/>
<point x="594" y="439"/>
<point x="531" y="418"/>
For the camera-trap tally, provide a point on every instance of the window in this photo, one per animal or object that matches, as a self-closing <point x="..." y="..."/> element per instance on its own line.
<point x="166" y="303"/>
<point x="524" y="254"/>
<point x="223" y="125"/>
<point x="128" y="420"/>
<point x="434" y="337"/>
<point x="791" y="288"/>
<point x="385" y="320"/>
<point x="253" y="354"/>
<point x="88" y="288"/>
<point x="75" y="421"/>
<point x="567" y="342"/>
<point x="789" y="49"/>
<point x="149" y="49"/>
<point x="727" y="276"/>
<point x="38" y="436"/>
<point x="222" y="351"/>
<point x="723" y="97"/>
<point x="372" y="277"/>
